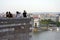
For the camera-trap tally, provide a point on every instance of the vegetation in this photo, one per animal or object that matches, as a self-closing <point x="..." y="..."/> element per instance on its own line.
<point x="58" y="24"/>
<point x="46" y="21"/>
<point x="49" y="21"/>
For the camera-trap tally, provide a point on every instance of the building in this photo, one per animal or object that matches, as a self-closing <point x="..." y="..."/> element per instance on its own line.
<point x="53" y="17"/>
<point x="36" y="20"/>
<point x="15" y="28"/>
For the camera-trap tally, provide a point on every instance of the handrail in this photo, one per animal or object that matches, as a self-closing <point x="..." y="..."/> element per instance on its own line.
<point x="10" y="25"/>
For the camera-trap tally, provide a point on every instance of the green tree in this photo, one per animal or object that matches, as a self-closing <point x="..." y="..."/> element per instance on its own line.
<point x="58" y="24"/>
<point x="46" y="22"/>
<point x="49" y="21"/>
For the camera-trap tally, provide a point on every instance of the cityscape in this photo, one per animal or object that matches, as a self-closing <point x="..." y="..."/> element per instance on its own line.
<point x="26" y="26"/>
<point x="29" y="19"/>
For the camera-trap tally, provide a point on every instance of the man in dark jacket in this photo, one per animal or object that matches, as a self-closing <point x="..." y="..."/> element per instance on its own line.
<point x="10" y="15"/>
<point x="24" y="14"/>
<point x="7" y="14"/>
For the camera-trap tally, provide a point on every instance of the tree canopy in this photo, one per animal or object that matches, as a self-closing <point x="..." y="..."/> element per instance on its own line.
<point x="49" y="21"/>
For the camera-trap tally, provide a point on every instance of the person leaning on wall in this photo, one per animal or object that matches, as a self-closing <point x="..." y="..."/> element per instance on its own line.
<point x="9" y="15"/>
<point x="24" y="14"/>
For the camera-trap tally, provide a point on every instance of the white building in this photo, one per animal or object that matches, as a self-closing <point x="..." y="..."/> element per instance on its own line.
<point x="36" y="20"/>
<point x="53" y="17"/>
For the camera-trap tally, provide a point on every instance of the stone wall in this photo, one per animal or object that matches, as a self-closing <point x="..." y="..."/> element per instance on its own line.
<point x="20" y="32"/>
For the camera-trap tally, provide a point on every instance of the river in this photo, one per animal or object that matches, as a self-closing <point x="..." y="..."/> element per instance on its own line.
<point x="46" y="35"/>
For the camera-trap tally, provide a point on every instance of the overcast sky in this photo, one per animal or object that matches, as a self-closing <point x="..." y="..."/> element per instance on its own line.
<point x="30" y="5"/>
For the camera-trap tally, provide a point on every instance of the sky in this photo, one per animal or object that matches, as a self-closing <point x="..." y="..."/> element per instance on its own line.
<point x="30" y="5"/>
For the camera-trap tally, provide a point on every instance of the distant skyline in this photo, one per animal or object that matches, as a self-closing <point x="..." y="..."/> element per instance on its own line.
<point x="30" y="5"/>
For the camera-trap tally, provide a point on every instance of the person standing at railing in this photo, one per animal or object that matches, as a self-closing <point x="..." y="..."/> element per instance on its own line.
<point x="18" y="14"/>
<point x="9" y="15"/>
<point x="24" y="14"/>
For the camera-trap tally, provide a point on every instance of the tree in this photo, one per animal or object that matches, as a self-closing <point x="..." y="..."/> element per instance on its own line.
<point x="49" y="21"/>
<point x="58" y="24"/>
<point x="46" y="22"/>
